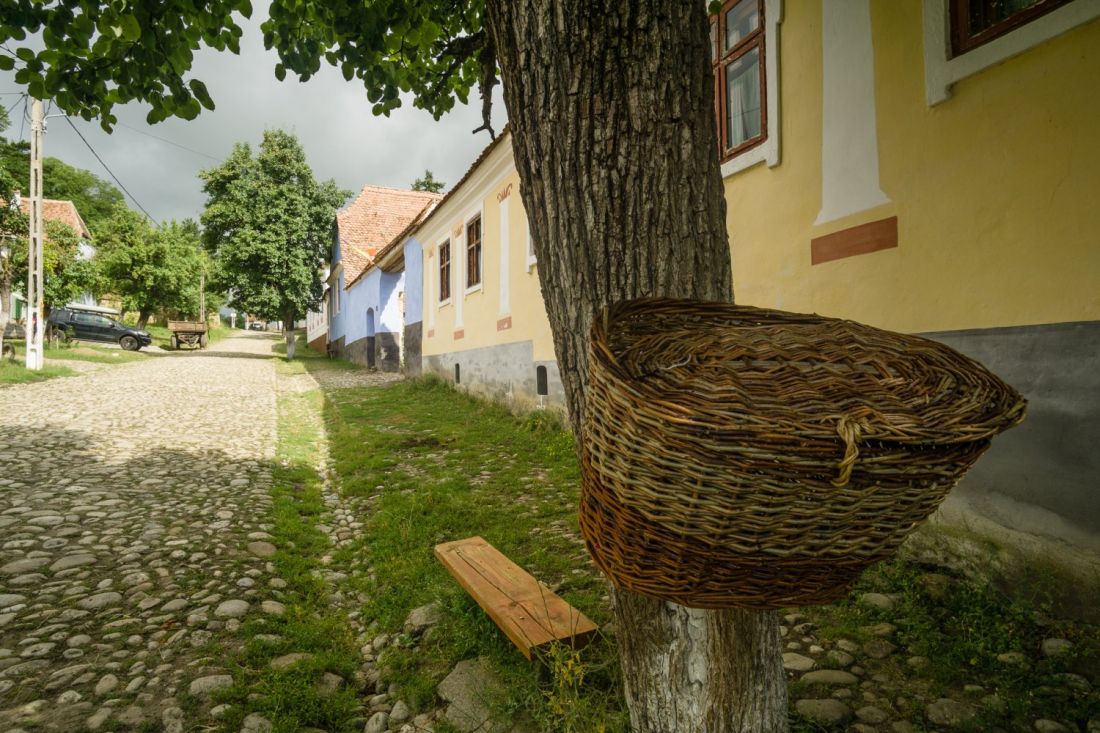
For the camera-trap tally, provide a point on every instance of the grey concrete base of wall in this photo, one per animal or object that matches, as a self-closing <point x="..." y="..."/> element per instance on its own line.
<point x="1030" y="568"/>
<point x="387" y="355"/>
<point x="506" y="373"/>
<point x="412" y="356"/>
<point x="337" y="347"/>
<point x="387" y="352"/>
<point x="1041" y="477"/>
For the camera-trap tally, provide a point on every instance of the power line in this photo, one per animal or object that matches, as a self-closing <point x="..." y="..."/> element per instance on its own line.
<point x="166" y="140"/>
<point x="106" y="168"/>
<point x="15" y="104"/>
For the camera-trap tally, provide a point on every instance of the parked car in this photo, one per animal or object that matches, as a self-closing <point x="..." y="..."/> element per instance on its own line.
<point x="88" y="326"/>
<point x="256" y="326"/>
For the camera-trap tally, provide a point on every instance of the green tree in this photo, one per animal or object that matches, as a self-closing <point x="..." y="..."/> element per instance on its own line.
<point x="93" y="197"/>
<point x="149" y="269"/>
<point x="269" y="223"/>
<point x="428" y="183"/>
<point x="611" y="110"/>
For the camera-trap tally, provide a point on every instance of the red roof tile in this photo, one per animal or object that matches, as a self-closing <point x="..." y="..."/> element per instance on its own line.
<point x="62" y="211"/>
<point x="371" y="222"/>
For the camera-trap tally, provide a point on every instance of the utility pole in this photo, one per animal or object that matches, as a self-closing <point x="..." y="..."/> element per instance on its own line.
<point x="36" y="327"/>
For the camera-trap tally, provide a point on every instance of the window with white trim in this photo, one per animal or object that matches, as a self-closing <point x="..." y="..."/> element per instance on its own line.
<point x="740" y="89"/>
<point x="445" y="272"/>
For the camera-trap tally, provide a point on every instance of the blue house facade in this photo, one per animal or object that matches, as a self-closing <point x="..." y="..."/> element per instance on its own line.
<point x="366" y="302"/>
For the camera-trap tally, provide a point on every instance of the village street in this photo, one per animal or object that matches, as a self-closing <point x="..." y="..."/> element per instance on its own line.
<point x="133" y="510"/>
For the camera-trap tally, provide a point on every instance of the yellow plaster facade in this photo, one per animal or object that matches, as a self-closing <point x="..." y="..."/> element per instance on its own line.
<point x="499" y="311"/>
<point x="995" y="189"/>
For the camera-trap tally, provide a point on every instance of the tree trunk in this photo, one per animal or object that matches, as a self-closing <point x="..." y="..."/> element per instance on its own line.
<point x="5" y="302"/>
<point x="611" y="108"/>
<point x="288" y="333"/>
<point x="143" y="318"/>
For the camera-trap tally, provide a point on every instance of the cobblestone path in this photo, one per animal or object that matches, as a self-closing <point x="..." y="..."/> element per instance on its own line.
<point x="132" y="510"/>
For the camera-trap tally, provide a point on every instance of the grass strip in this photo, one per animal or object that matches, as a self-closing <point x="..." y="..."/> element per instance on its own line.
<point x="297" y="697"/>
<point x="16" y="373"/>
<point x="436" y="465"/>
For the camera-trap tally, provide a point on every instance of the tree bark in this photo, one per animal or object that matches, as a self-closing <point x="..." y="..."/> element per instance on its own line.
<point x="5" y="301"/>
<point x="143" y="318"/>
<point x="611" y="108"/>
<point x="288" y="334"/>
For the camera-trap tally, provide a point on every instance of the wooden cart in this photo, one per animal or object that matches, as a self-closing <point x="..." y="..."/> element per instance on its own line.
<point x="191" y="333"/>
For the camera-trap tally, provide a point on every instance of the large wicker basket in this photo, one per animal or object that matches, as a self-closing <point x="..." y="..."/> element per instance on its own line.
<point x="741" y="457"/>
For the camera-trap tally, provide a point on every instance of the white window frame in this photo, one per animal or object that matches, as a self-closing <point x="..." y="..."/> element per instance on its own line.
<point x="451" y="275"/>
<point x="480" y="212"/>
<point x="768" y="150"/>
<point x="941" y="72"/>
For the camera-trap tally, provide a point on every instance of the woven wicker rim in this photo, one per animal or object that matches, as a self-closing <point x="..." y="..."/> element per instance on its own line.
<point x="656" y="348"/>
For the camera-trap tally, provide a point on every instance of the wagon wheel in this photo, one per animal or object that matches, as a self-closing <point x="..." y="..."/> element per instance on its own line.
<point x="174" y="343"/>
<point x="202" y="341"/>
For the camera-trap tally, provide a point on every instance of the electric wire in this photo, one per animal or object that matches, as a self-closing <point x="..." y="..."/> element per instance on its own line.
<point x="166" y="140"/>
<point x="112" y="174"/>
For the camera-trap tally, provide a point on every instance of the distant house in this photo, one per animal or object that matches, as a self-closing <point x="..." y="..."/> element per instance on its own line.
<point x="362" y="229"/>
<point x="65" y="212"/>
<point x="381" y="289"/>
<point x="317" y="322"/>
<point x="486" y="324"/>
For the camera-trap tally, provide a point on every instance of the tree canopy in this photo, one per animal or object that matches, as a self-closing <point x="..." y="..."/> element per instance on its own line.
<point x="149" y="269"/>
<point x="269" y="224"/>
<point x="94" y="197"/>
<point x="427" y="182"/>
<point x="95" y="55"/>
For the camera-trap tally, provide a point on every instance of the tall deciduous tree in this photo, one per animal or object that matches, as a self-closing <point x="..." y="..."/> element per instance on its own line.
<point x="269" y="223"/>
<point x="612" y="114"/>
<point x="93" y="197"/>
<point x="149" y="269"/>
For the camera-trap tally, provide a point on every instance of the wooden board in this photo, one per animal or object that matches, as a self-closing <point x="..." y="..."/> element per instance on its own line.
<point x="528" y="612"/>
<point x="187" y="326"/>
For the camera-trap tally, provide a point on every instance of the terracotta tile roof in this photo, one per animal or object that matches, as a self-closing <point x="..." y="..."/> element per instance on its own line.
<point x="381" y="254"/>
<point x="63" y="211"/>
<point x="372" y="220"/>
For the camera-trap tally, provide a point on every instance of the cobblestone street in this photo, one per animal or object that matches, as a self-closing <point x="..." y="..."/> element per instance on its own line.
<point x="132" y="510"/>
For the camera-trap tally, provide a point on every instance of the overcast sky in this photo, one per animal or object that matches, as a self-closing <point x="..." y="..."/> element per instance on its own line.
<point x="331" y="117"/>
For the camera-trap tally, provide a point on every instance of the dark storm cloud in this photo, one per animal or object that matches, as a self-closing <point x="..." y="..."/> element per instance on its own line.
<point x="331" y="117"/>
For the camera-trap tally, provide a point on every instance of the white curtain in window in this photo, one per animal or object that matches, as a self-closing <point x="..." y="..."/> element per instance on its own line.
<point x="743" y="98"/>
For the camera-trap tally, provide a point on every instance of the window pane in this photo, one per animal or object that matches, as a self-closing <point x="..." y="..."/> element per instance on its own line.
<point x="741" y="20"/>
<point x="743" y="114"/>
<point x="986" y="13"/>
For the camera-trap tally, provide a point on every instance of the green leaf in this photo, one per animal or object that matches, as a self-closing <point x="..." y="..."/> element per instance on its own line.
<point x="131" y="29"/>
<point x="200" y="92"/>
<point x="280" y="72"/>
<point x="7" y="63"/>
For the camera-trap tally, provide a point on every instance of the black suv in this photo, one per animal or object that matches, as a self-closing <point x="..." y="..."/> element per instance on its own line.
<point x="95" y="327"/>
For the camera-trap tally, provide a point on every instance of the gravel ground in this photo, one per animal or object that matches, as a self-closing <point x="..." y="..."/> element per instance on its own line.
<point x="132" y="502"/>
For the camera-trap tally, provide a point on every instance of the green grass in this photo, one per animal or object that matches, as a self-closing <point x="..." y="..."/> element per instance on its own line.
<point x="435" y="465"/>
<point x="961" y="628"/>
<point x="290" y="698"/>
<point x="16" y="373"/>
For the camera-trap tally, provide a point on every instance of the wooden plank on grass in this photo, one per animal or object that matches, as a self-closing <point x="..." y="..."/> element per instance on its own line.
<point x="528" y="612"/>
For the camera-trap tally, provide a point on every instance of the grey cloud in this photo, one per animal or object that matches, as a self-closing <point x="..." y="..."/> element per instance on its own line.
<point x="332" y="118"/>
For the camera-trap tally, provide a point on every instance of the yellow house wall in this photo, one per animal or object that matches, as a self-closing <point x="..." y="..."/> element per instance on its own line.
<point x="481" y="307"/>
<point x="995" y="189"/>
